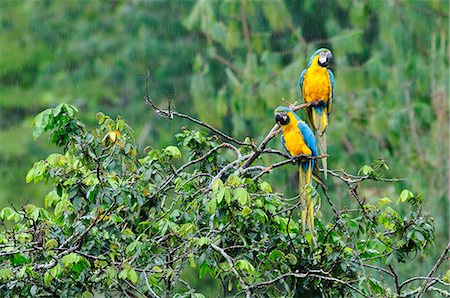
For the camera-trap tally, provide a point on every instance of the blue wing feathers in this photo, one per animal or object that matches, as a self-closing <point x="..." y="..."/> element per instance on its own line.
<point x="330" y="74"/>
<point x="308" y="136"/>
<point x="310" y="141"/>
<point x="302" y="78"/>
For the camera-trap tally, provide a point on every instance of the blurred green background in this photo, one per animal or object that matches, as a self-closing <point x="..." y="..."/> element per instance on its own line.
<point x="229" y="63"/>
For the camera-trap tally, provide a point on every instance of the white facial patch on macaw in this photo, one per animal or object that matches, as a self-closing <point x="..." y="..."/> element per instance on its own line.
<point x="322" y="58"/>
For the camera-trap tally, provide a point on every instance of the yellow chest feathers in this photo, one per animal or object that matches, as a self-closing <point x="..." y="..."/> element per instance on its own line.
<point x="316" y="84"/>
<point x="293" y="140"/>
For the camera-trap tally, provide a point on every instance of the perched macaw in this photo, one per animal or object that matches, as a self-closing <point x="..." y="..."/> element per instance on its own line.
<point x="317" y="84"/>
<point x="297" y="138"/>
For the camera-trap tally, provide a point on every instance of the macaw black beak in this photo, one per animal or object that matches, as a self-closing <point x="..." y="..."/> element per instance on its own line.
<point x="329" y="57"/>
<point x="281" y="119"/>
<point x="278" y="118"/>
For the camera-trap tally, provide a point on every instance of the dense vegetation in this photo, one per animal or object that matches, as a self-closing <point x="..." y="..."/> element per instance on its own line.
<point x="114" y="223"/>
<point x="229" y="64"/>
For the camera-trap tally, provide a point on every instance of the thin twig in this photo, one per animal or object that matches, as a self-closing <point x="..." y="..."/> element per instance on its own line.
<point x="441" y="259"/>
<point x="291" y="160"/>
<point x="395" y="275"/>
<point x="352" y="179"/>
<point x="431" y="281"/>
<point x="170" y="113"/>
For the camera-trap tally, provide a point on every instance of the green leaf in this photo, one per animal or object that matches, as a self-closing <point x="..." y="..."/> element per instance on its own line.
<point x="22" y="272"/>
<point x="30" y="175"/>
<point x="33" y="290"/>
<point x="116" y="218"/>
<point x="36" y="173"/>
<point x="219" y="195"/>
<point x="446" y="278"/>
<point x="291" y="259"/>
<point x="212" y="205"/>
<point x="203" y="240"/>
<point x="234" y="180"/>
<point x="70" y="259"/>
<point x="7" y="213"/>
<point x="384" y="201"/>
<point x="24" y="237"/>
<point x="245" y="265"/>
<point x="19" y="259"/>
<point x="217" y="184"/>
<point x="57" y="110"/>
<point x="71" y="110"/>
<point x="47" y="278"/>
<point x="6" y="273"/>
<point x="111" y="272"/>
<point x="51" y="198"/>
<point x="241" y="195"/>
<point x="120" y="124"/>
<point x="132" y="276"/>
<point x="246" y="211"/>
<point x="265" y="187"/>
<point x="100" y="117"/>
<point x="405" y="195"/>
<point x="52" y="243"/>
<point x="419" y="236"/>
<point x="62" y="206"/>
<point x="365" y="170"/>
<point x="276" y="254"/>
<point x="124" y="273"/>
<point x="173" y="151"/>
<point x="34" y="212"/>
<point x="131" y="247"/>
<point x="227" y="195"/>
<point x="53" y="159"/>
<point x="204" y="268"/>
<point x="40" y="122"/>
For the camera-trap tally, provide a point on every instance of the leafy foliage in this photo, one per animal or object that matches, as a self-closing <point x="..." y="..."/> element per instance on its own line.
<point x="115" y="223"/>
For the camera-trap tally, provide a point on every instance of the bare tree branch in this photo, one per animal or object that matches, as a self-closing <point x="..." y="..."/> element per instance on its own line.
<point x="441" y="259"/>
<point x="394" y="274"/>
<point x="170" y="113"/>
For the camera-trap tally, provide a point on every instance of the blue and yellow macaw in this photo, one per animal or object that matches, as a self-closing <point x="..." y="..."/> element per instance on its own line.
<point x="297" y="138"/>
<point x="317" y="84"/>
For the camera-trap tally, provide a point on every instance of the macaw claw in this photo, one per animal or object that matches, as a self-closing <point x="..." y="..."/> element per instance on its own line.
<point x="299" y="159"/>
<point x="320" y="103"/>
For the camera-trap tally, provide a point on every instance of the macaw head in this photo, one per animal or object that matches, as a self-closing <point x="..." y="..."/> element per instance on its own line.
<point x="322" y="56"/>
<point x="283" y="115"/>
